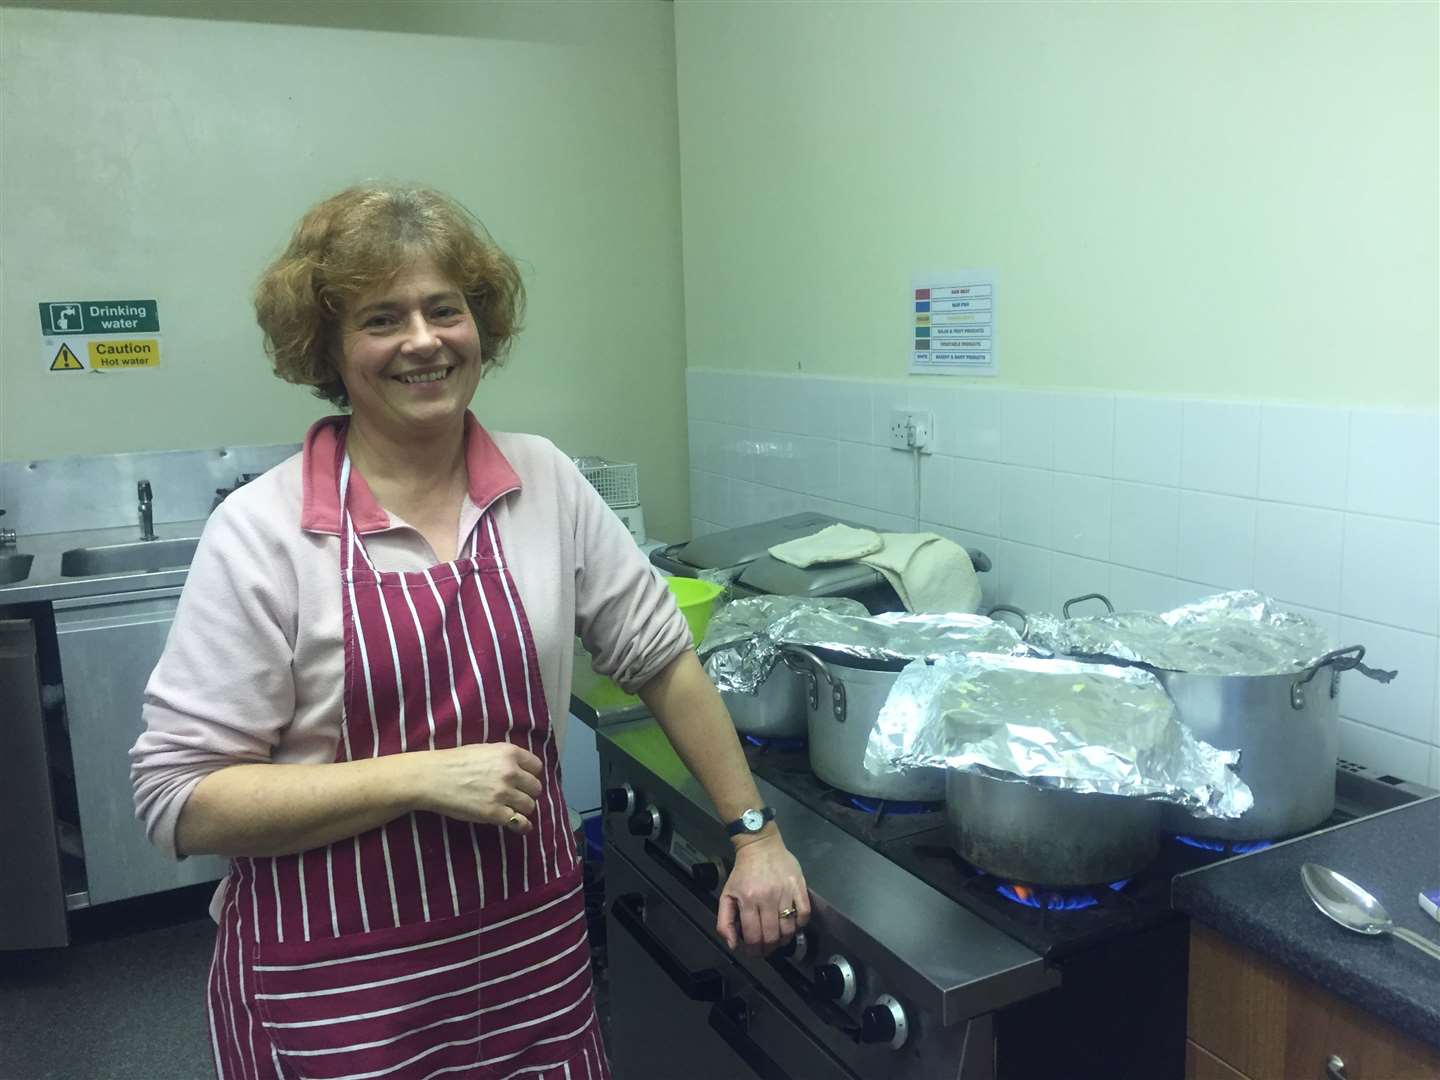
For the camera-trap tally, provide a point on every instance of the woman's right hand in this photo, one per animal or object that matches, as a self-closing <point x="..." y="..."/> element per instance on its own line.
<point x="490" y="783"/>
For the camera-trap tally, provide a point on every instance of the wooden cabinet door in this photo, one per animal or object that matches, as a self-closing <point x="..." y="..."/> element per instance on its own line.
<point x="1271" y="1024"/>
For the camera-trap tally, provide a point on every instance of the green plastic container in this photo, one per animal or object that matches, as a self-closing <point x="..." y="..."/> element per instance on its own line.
<point x="696" y="599"/>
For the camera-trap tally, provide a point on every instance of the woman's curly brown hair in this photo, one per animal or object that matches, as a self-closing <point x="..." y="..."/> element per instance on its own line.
<point x="359" y="240"/>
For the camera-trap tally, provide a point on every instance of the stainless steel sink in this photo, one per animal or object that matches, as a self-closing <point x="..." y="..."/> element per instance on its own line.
<point x="131" y="558"/>
<point x="14" y="567"/>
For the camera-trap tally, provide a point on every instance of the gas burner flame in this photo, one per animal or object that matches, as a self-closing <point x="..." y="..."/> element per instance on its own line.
<point x="1055" y="899"/>
<point x="1239" y="847"/>
<point x="891" y="807"/>
<point x="768" y="742"/>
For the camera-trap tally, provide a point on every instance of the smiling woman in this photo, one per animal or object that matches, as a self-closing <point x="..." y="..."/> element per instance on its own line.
<point x="362" y="695"/>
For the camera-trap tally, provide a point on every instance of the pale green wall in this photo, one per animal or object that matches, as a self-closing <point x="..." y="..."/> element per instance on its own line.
<point x="150" y="155"/>
<point x="1226" y="200"/>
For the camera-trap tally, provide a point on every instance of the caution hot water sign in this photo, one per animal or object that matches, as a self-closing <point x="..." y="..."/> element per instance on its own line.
<point x="100" y="335"/>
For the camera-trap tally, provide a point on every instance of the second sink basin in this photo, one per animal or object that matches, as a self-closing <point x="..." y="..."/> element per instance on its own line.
<point x="135" y="557"/>
<point x="14" y="567"/>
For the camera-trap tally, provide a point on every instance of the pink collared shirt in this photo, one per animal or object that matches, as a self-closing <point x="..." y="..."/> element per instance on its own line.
<point x="254" y="666"/>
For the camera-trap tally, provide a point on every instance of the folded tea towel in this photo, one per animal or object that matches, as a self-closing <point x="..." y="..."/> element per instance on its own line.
<point x="835" y="543"/>
<point x="928" y="572"/>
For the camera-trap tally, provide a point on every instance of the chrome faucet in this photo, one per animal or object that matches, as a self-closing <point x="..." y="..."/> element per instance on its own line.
<point x="7" y="536"/>
<point x="147" y="511"/>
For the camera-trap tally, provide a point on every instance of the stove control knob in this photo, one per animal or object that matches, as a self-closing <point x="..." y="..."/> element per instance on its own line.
<point x="646" y="822"/>
<point x="797" y="948"/>
<point x="884" y="1022"/>
<point x="620" y="800"/>
<point x="835" y="979"/>
<point x="706" y="876"/>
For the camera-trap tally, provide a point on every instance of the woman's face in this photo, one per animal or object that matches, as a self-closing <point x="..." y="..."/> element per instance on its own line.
<point x="410" y="352"/>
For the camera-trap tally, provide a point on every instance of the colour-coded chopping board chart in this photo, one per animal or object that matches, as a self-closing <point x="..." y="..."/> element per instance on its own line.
<point x="954" y="323"/>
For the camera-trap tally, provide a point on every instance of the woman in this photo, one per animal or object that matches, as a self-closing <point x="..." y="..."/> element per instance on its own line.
<point x="361" y="695"/>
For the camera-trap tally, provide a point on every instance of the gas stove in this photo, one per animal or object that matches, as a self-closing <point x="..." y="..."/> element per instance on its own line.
<point x="915" y="964"/>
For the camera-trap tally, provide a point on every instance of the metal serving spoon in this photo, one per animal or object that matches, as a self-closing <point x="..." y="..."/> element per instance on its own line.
<point x="1355" y="909"/>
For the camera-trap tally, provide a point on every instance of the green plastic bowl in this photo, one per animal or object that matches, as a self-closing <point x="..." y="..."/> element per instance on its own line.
<point x="696" y="600"/>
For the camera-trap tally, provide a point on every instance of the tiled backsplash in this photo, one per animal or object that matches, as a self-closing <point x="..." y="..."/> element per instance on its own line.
<point x="1152" y="500"/>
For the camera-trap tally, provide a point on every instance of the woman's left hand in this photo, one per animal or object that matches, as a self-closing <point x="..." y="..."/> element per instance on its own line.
<point x="766" y="883"/>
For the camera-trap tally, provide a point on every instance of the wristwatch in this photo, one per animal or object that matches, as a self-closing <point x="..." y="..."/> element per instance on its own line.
<point x="751" y="821"/>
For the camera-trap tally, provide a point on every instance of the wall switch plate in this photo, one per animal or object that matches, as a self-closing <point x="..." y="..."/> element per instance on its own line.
<point x="911" y="429"/>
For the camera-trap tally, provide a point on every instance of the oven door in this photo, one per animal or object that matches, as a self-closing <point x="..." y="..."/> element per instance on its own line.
<point x="682" y="1008"/>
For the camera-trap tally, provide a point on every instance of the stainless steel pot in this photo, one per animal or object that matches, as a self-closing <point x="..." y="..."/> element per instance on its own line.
<point x="1286" y="727"/>
<point x="775" y="711"/>
<point x="843" y="699"/>
<point x="1046" y="836"/>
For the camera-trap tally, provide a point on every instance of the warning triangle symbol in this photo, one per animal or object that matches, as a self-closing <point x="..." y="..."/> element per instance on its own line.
<point x="65" y="360"/>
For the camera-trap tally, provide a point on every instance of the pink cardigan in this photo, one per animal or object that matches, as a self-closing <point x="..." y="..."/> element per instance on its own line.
<point x="253" y="668"/>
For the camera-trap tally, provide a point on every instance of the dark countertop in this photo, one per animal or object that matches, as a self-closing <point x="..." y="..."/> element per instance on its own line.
<point x="1257" y="901"/>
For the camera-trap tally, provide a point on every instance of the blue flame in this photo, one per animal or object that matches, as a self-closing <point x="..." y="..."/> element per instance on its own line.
<point x="1240" y="847"/>
<point x="891" y="806"/>
<point x="768" y="743"/>
<point x="1050" y="901"/>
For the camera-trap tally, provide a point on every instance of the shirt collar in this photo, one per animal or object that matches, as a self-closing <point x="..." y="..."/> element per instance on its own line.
<point x="488" y="472"/>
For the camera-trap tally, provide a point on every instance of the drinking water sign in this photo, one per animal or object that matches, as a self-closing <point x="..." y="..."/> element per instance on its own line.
<point x="100" y="335"/>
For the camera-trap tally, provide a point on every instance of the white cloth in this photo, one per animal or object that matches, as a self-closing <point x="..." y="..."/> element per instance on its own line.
<point x="835" y="543"/>
<point x="928" y="572"/>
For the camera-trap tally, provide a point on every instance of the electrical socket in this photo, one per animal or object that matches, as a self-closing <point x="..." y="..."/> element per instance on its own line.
<point x="911" y="428"/>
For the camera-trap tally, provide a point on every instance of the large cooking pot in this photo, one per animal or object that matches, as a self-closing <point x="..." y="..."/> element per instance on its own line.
<point x="1286" y="727"/>
<point x="843" y="696"/>
<point x="775" y="711"/>
<point x="1048" y="836"/>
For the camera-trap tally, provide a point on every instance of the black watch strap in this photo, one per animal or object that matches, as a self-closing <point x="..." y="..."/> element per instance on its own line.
<point x="751" y="821"/>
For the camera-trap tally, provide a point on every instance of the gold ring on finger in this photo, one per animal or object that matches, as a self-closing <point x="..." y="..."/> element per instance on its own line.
<point x="515" y="820"/>
<point x="787" y="913"/>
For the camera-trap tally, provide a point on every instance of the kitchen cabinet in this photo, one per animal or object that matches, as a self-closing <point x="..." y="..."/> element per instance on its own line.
<point x="1251" y="1019"/>
<point x="108" y="646"/>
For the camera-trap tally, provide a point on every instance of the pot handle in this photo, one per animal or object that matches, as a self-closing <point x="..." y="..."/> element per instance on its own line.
<point x="1337" y="660"/>
<point x="1009" y="609"/>
<point x="1109" y="607"/>
<point x="804" y="662"/>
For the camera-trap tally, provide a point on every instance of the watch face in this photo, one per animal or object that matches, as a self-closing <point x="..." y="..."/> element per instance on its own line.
<point x="753" y="820"/>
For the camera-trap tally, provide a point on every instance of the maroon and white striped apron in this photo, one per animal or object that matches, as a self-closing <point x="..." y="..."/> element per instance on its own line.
<point x="428" y="947"/>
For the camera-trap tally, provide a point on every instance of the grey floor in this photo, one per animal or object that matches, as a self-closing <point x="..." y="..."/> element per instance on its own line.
<point x="126" y="999"/>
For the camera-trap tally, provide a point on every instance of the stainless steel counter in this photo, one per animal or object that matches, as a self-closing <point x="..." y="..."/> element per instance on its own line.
<point x="45" y="583"/>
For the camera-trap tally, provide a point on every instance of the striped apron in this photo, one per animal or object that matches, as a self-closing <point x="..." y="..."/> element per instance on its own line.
<point x="428" y="947"/>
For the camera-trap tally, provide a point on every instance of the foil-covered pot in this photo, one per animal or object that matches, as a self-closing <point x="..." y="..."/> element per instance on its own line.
<point x="1060" y="724"/>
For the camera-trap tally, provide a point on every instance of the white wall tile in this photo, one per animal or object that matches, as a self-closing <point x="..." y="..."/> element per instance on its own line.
<point x="819" y="467"/>
<point x="1382" y="751"/>
<point x="738" y="449"/>
<point x="1392" y="572"/>
<point x="1297" y="554"/>
<point x="699" y="527"/>
<point x="1025" y="505"/>
<point x="1220" y="449"/>
<point x="1071" y="576"/>
<point x="727" y="390"/>
<point x="855" y="483"/>
<point x="895" y="483"/>
<point x="1304" y="455"/>
<point x="1081" y="515"/>
<point x="1027" y="428"/>
<point x="1217" y="539"/>
<point x="1435" y="767"/>
<point x="1138" y="590"/>
<point x="974" y="428"/>
<point x="1024" y="575"/>
<point x="885" y="397"/>
<point x="1395" y="464"/>
<point x="937" y="489"/>
<point x="977" y="495"/>
<point x="1405" y="706"/>
<point x="1085" y="433"/>
<point x="850" y="402"/>
<point x="1148" y="439"/>
<point x="1144" y="526"/>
